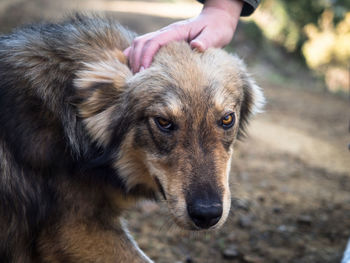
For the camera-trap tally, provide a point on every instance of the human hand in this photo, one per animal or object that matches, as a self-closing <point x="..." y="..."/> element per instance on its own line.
<point x="213" y="27"/>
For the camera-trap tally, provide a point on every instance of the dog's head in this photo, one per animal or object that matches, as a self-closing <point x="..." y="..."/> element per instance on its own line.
<point x="172" y="127"/>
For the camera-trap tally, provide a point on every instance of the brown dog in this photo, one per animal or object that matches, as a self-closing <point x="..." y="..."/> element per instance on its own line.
<point x="82" y="139"/>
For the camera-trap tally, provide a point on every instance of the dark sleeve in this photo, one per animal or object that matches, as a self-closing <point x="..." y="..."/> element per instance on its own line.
<point x="248" y="7"/>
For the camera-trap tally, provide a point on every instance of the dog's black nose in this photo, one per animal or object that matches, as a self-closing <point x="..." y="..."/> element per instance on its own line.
<point x="204" y="214"/>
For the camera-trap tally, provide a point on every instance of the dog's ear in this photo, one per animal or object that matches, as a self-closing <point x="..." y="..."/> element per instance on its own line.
<point x="98" y="87"/>
<point x="252" y="103"/>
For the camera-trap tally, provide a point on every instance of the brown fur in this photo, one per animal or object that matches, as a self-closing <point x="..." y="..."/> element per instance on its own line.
<point x="80" y="141"/>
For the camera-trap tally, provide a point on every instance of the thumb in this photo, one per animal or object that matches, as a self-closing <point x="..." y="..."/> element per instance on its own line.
<point x="198" y="44"/>
<point x="127" y="51"/>
<point x="202" y="41"/>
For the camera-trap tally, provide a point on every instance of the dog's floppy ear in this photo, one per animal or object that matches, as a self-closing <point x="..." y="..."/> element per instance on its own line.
<point x="98" y="88"/>
<point x="252" y="103"/>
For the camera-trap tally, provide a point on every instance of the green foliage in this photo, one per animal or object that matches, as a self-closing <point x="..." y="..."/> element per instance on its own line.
<point x="318" y="31"/>
<point x="283" y="20"/>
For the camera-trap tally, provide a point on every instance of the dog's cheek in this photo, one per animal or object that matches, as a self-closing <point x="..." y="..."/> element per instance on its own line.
<point x="154" y="141"/>
<point x="142" y="138"/>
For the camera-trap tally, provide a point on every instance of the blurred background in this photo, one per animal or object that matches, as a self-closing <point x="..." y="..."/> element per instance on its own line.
<point x="291" y="176"/>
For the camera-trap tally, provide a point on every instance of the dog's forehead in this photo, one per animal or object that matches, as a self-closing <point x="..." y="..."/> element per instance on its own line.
<point x="183" y="79"/>
<point x="213" y="76"/>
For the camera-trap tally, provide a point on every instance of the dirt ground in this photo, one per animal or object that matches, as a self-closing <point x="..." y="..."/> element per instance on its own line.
<point x="290" y="178"/>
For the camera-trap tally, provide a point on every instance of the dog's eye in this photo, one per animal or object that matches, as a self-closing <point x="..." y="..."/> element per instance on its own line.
<point x="228" y="121"/>
<point x="163" y="124"/>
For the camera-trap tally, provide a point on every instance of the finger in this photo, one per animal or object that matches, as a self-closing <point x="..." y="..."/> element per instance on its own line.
<point x="209" y="38"/>
<point x="127" y="51"/>
<point x="149" y="51"/>
<point x="135" y="55"/>
<point x="152" y="45"/>
<point x="204" y="40"/>
<point x="198" y="44"/>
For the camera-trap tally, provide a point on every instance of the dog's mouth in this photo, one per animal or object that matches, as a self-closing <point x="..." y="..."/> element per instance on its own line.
<point x="160" y="188"/>
<point x="195" y="213"/>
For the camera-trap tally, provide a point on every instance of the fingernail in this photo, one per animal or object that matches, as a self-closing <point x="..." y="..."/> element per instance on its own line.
<point x="142" y="68"/>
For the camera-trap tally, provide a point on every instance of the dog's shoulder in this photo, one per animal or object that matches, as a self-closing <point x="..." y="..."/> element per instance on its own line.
<point x="38" y="66"/>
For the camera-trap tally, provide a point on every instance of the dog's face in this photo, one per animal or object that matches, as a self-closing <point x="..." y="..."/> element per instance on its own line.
<point x="180" y="119"/>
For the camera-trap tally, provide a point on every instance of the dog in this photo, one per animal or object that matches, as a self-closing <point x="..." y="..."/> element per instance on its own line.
<point x="82" y="138"/>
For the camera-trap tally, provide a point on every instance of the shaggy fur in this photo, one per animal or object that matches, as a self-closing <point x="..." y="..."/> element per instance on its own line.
<point x="81" y="138"/>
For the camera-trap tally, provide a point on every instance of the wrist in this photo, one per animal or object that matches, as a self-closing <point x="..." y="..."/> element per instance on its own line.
<point x="231" y="7"/>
